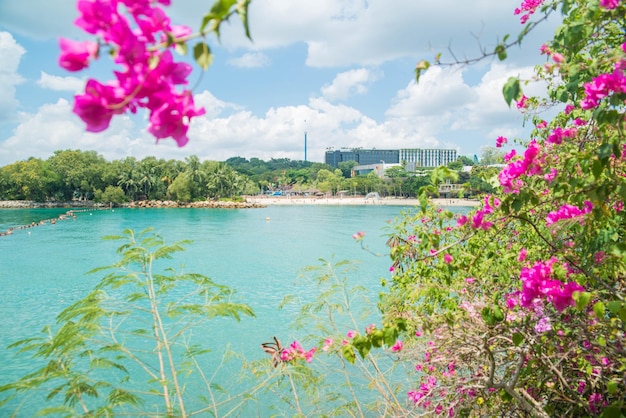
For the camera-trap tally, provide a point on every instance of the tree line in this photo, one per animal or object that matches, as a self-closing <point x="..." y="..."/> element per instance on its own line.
<point x="85" y="175"/>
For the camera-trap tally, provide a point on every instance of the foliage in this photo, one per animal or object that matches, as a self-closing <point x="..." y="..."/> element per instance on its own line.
<point x="127" y="348"/>
<point x="517" y="309"/>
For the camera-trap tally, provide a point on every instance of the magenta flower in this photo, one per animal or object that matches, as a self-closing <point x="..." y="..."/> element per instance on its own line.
<point x="351" y="334"/>
<point x="522" y="255"/>
<point x="97" y="105"/>
<point x="501" y="141"/>
<point x="148" y="75"/>
<point x="523" y="102"/>
<point x="359" y="235"/>
<point x="75" y="55"/>
<point x="609" y="4"/>
<point x="599" y="257"/>
<point x="558" y="58"/>
<point x="551" y="175"/>
<point x="568" y="212"/>
<point x="461" y="221"/>
<point x="327" y="343"/>
<point x="397" y="347"/>
<point x="447" y="258"/>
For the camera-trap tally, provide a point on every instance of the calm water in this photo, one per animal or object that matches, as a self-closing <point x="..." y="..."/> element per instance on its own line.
<point x="42" y="269"/>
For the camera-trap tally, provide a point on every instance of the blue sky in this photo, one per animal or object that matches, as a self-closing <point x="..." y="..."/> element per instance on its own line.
<point x="341" y="69"/>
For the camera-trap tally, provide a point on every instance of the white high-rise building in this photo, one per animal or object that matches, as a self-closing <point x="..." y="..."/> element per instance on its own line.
<point x="427" y="157"/>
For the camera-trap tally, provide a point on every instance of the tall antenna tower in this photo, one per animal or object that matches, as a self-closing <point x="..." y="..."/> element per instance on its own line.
<point x="305" y="140"/>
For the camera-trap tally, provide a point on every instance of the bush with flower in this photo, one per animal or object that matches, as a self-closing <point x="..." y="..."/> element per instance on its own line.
<point x="519" y="307"/>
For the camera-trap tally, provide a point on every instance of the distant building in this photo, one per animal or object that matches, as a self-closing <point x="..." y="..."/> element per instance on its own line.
<point x="427" y="157"/>
<point x="362" y="156"/>
<point x="410" y="157"/>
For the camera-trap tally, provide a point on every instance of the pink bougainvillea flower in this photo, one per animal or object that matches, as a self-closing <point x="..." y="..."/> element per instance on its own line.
<point x="599" y="257"/>
<point x="522" y="103"/>
<point x="551" y="175"/>
<point x="351" y="334"/>
<point x="568" y="212"/>
<point x="447" y="258"/>
<point x="359" y="235"/>
<point x="327" y="343"/>
<point x="75" y="55"/>
<point x="501" y="141"/>
<point x="609" y="4"/>
<point x="397" y="347"/>
<point x="97" y="105"/>
<point x="522" y="255"/>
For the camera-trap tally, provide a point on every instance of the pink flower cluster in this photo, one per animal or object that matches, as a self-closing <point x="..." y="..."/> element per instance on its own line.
<point x="609" y="4"/>
<point x="538" y="283"/>
<point x="558" y="134"/>
<point x="529" y="165"/>
<point x="420" y="396"/>
<point x="149" y="75"/>
<point x="526" y="9"/>
<point x="295" y="351"/>
<point x="568" y="212"/>
<point x="605" y="84"/>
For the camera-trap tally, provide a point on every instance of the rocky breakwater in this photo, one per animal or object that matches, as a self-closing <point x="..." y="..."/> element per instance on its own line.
<point x="208" y="204"/>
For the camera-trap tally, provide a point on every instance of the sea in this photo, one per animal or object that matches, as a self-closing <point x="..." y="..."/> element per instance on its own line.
<point x="260" y="252"/>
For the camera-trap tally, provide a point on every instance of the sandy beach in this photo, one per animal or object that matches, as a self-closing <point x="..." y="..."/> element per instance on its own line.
<point x="389" y="201"/>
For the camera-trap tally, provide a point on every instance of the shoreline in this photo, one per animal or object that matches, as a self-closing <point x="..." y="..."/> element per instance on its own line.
<point x="288" y="201"/>
<point x="250" y="202"/>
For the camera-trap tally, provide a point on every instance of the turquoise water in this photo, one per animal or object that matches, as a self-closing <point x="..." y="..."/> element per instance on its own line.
<point x="259" y="252"/>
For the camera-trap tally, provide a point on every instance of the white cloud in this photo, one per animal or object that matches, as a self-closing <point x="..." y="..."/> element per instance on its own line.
<point x="10" y="55"/>
<point x="250" y="60"/>
<point x="54" y="127"/>
<point x="53" y="82"/>
<point x="350" y="83"/>
<point x="442" y="110"/>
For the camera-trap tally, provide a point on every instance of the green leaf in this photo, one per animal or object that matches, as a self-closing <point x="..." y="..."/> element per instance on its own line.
<point x="377" y="338"/>
<point x="362" y="344"/>
<point x="421" y="66"/>
<point x="202" y="55"/>
<point x="487" y="315"/>
<point x="612" y="387"/>
<point x="615" y="306"/>
<point x="517" y="339"/>
<point x="181" y="48"/>
<point x="511" y="90"/>
<point x="390" y="334"/>
<point x="612" y="411"/>
<point x="500" y="51"/>
<point x="598" y="309"/>
<point x="348" y="353"/>
<point x="242" y="11"/>
<point x="505" y="396"/>
<point x="605" y="151"/>
<point x="498" y="315"/>
<point x="582" y="299"/>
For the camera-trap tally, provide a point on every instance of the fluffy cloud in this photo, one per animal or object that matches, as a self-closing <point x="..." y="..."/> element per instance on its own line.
<point x="53" y="82"/>
<point x="349" y="83"/>
<point x="10" y="55"/>
<point x="250" y="60"/>
<point x="442" y="110"/>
